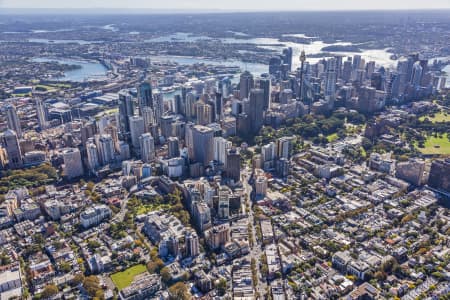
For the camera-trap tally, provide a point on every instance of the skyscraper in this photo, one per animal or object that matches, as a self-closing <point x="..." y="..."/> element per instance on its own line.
<point x="41" y="114"/>
<point x="92" y="156"/>
<point x="192" y="244"/>
<point x="202" y="144"/>
<point x="287" y="58"/>
<point x="330" y="80"/>
<point x="173" y="147"/>
<point x="233" y="164"/>
<point x="221" y="146"/>
<point x="266" y="86"/>
<point x="246" y="84"/>
<point x="204" y="113"/>
<point x="72" y="163"/>
<point x="224" y="203"/>
<point x="136" y="130"/>
<point x="144" y="96"/>
<point x="256" y="109"/>
<point x="13" y="119"/>
<point x="158" y="106"/>
<point x="147" y="147"/>
<point x="10" y="142"/>
<point x="106" y="148"/>
<point x="126" y="110"/>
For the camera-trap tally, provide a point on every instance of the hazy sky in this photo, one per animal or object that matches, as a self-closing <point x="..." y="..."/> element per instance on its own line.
<point x="231" y="4"/>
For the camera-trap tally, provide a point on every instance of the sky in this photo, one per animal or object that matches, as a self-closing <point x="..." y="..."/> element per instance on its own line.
<point x="274" y="5"/>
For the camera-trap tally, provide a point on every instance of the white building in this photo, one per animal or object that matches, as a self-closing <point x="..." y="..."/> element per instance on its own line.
<point x="94" y="215"/>
<point x="147" y="145"/>
<point x="73" y="166"/>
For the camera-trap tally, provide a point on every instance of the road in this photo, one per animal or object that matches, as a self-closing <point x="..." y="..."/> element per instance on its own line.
<point x="255" y="251"/>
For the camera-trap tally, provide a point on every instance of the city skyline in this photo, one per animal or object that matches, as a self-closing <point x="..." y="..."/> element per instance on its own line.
<point x="233" y="5"/>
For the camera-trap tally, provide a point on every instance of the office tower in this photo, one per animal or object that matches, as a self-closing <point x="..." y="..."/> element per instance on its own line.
<point x="330" y="80"/>
<point x="92" y="156"/>
<point x="210" y="86"/>
<point x="13" y="120"/>
<point x="166" y="125"/>
<point x="158" y="106"/>
<point x="268" y="152"/>
<point x="218" y="107"/>
<point x="356" y="62"/>
<point x="73" y="166"/>
<point x="136" y="130"/>
<point x="126" y="110"/>
<point x="412" y="59"/>
<point x="287" y="58"/>
<point x="202" y="144"/>
<point x="192" y="244"/>
<point x="366" y="99"/>
<point x="149" y="118"/>
<point x="347" y="70"/>
<point x="266" y="86"/>
<point x="10" y="142"/>
<point x="177" y="104"/>
<point x="440" y="175"/>
<point x="124" y="150"/>
<point x="376" y="80"/>
<point x="105" y="146"/>
<point x="173" y="147"/>
<point x="275" y="66"/>
<point x="370" y="68"/>
<point x="246" y="83"/>
<point x="221" y="146"/>
<point x="417" y="73"/>
<point x="233" y="164"/>
<point x="223" y="209"/>
<point x="256" y="112"/>
<point x="202" y="215"/>
<point x="190" y="106"/>
<point x="112" y="131"/>
<point x="88" y="130"/>
<point x="204" y="113"/>
<point x="147" y="147"/>
<point x="41" y="114"/>
<point x="144" y="96"/>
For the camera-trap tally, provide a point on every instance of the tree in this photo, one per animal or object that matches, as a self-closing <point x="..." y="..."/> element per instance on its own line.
<point x="179" y="291"/>
<point x="49" y="291"/>
<point x="91" y="284"/>
<point x="165" y="274"/>
<point x="222" y="286"/>
<point x="78" y="278"/>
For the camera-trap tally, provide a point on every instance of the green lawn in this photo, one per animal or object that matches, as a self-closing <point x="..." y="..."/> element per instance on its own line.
<point x="436" y="146"/>
<point x="146" y="208"/>
<point x="438" y="117"/>
<point x="125" y="278"/>
<point x="332" y="137"/>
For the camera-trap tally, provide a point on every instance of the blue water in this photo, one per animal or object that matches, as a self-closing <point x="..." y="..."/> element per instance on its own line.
<point x="89" y="69"/>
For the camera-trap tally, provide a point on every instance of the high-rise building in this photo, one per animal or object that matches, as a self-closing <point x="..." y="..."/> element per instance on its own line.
<point x="105" y="148"/>
<point x="10" y="142"/>
<point x="92" y="156"/>
<point x="266" y="86"/>
<point x="173" y="147"/>
<point x="190" y="106"/>
<point x="41" y="114"/>
<point x="417" y="73"/>
<point x="145" y="98"/>
<point x="192" y="244"/>
<point x="126" y="110"/>
<point x="202" y="144"/>
<point x="73" y="166"/>
<point x="440" y="175"/>
<point x="287" y="58"/>
<point x="347" y="70"/>
<point x="218" y="236"/>
<point x="13" y="120"/>
<point x="330" y="80"/>
<point x="88" y="130"/>
<point x="147" y="147"/>
<point x="246" y="83"/>
<point x="284" y="147"/>
<point x="256" y="112"/>
<point x="204" y="113"/>
<point x="233" y="165"/>
<point x="223" y="209"/>
<point x="158" y="105"/>
<point x="221" y="146"/>
<point x="149" y="118"/>
<point x="136" y="130"/>
<point x="166" y="122"/>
